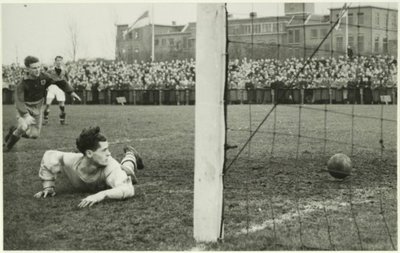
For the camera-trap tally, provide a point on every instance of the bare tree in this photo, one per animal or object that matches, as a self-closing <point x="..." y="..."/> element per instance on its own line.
<point x="73" y="33"/>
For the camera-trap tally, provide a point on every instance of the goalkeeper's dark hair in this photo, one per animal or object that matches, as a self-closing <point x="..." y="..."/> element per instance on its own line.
<point x="89" y="139"/>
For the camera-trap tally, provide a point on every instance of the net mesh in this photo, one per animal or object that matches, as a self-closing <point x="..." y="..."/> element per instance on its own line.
<point x="276" y="185"/>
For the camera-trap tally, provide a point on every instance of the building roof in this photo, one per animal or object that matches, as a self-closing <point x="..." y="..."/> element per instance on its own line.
<point x="270" y="18"/>
<point x="364" y="6"/>
<point x="312" y="19"/>
<point x="188" y="25"/>
<point x="159" y="25"/>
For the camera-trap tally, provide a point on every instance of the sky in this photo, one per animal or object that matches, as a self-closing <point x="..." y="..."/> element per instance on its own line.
<point x="41" y="29"/>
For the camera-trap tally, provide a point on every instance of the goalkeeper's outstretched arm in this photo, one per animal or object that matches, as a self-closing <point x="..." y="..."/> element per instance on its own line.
<point x="120" y="183"/>
<point x="50" y="166"/>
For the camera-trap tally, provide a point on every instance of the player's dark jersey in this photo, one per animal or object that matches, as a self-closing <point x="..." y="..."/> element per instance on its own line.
<point x="34" y="90"/>
<point x="58" y="74"/>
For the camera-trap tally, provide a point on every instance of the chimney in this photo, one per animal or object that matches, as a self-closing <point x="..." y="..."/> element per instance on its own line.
<point x="173" y="23"/>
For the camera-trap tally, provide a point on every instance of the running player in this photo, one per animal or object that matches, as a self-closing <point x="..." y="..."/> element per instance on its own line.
<point x="29" y="98"/>
<point x="53" y="91"/>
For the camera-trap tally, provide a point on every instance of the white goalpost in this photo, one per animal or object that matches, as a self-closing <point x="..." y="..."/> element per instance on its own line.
<point x="209" y="121"/>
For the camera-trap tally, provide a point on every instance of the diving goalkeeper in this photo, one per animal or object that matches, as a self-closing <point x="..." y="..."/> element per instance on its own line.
<point x="92" y="170"/>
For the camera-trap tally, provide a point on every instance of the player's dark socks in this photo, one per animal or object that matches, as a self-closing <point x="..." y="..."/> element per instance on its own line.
<point x="11" y="142"/>
<point x="10" y="132"/>
<point x="62" y="118"/>
<point x="139" y="161"/>
<point x="62" y="108"/>
<point x="46" y="117"/>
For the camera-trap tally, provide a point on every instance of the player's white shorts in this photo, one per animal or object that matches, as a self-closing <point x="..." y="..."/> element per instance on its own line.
<point x="55" y="92"/>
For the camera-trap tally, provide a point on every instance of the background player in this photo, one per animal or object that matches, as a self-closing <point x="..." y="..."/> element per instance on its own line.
<point x="91" y="170"/>
<point x="29" y="98"/>
<point x="57" y="73"/>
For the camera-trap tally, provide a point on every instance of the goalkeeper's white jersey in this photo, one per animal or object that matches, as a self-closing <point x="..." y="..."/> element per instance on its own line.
<point x="54" y="162"/>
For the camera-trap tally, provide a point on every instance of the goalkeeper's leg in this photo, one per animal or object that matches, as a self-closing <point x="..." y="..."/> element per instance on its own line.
<point x="130" y="162"/>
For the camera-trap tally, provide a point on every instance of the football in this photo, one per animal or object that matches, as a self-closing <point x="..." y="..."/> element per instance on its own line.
<point x="339" y="166"/>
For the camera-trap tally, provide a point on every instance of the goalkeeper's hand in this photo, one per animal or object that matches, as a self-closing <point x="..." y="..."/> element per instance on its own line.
<point x="49" y="191"/>
<point x="91" y="200"/>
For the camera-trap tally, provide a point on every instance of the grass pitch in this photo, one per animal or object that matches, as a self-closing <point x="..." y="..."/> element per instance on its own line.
<point x="278" y="202"/>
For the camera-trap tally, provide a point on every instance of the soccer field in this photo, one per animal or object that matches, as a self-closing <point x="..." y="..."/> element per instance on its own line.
<point x="159" y="217"/>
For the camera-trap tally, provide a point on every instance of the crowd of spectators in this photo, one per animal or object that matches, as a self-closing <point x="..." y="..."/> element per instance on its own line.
<point x="341" y="72"/>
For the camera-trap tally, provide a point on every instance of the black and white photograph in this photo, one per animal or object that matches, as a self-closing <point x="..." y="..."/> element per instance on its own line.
<point x="199" y="126"/>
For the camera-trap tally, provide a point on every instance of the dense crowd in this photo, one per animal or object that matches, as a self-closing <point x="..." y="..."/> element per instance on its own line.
<point x="341" y="72"/>
<point x="373" y="71"/>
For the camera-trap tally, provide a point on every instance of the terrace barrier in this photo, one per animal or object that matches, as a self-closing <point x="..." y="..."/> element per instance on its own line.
<point x="235" y="96"/>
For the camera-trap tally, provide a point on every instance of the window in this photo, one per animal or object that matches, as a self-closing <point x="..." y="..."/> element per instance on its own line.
<point x="267" y="28"/>
<point x="257" y="28"/>
<point x="232" y="29"/>
<point x="326" y="46"/>
<point x="377" y="19"/>
<point x="156" y="42"/>
<point x="163" y="42"/>
<point x="351" y="41"/>
<point x="350" y="17"/>
<point x="376" y="45"/>
<point x="270" y="28"/>
<point x="264" y="28"/>
<point x="291" y="39"/>
<point x="385" y="45"/>
<point x="136" y="35"/>
<point x="190" y="43"/>
<point x="281" y="27"/>
<point x="297" y="36"/>
<point x="360" y="43"/>
<point x="130" y="35"/>
<point x="171" y="42"/>
<point x="324" y="32"/>
<point x="360" y="18"/>
<point x="394" y="21"/>
<point x="246" y="29"/>
<point x="274" y="27"/>
<point x="314" y="33"/>
<point x="339" y="44"/>
<point x="185" y="42"/>
<point x="385" y="20"/>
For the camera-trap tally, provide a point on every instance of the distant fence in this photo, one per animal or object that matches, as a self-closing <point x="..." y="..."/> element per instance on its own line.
<point x="235" y="96"/>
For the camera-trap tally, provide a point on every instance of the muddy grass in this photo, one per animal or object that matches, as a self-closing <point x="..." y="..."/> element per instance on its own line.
<point x="278" y="195"/>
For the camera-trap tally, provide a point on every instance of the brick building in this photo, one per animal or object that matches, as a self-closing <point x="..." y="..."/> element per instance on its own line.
<point x="371" y="30"/>
<point x="170" y="42"/>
